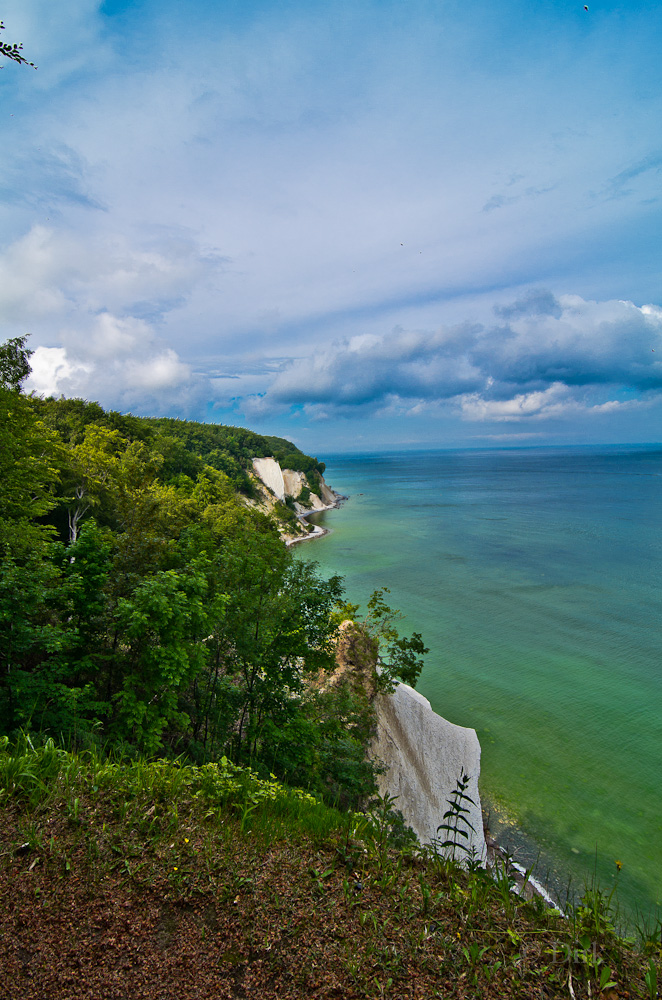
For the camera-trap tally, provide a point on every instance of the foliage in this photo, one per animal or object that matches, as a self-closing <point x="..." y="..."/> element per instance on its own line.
<point x="143" y="602"/>
<point x="13" y="51"/>
<point x="400" y="657"/>
<point x="29" y="452"/>
<point x="14" y="361"/>
<point x="323" y="746"/>
<point x="456" y="823"/>
<point x="263" y="885"/>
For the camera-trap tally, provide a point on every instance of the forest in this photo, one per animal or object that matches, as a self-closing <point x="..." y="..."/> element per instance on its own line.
<point x="147" y="607"/>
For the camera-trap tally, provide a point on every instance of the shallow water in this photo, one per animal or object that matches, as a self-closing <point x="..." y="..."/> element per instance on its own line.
<point x="535" y="577"/>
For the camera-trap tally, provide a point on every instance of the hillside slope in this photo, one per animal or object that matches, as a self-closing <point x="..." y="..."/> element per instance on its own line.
<point x="162" y="881"/>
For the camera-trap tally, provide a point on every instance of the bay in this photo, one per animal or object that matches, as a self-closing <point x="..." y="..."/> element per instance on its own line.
<point x="535" y="577"/>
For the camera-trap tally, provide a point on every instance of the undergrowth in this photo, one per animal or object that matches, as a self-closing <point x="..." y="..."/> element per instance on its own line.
<point x="266" y="891"/>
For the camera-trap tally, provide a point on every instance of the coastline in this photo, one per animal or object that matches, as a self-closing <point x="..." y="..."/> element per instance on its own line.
<point x="317" y="532"/>
<point x="507" y="587"/>
<point x="534" y="866"/>
<point x="505" y="841"/>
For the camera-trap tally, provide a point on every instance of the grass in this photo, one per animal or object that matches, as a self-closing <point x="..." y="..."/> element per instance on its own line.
<point x="160" y="879"/>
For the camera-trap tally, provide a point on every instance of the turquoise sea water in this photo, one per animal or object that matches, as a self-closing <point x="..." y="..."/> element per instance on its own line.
<point x="535" y="577"/>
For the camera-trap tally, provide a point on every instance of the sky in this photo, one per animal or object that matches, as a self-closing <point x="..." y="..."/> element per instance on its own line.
<point x="358" y="225"/>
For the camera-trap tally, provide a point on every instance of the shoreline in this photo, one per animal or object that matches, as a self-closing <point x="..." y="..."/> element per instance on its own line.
<point x="505" y="840"/>
<point x="509" y="842"/>
<point x="317" y="532"/>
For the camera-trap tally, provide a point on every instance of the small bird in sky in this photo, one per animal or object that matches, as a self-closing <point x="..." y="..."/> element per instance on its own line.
<point x="585" y="7"/>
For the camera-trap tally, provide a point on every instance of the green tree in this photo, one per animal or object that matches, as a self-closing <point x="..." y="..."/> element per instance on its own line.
<point x="30" y="634"/>
<point x="53" y="635"/>
<point x="14" y="363"/>
<point x="30" y="453"/>
<point x="163" y="625"/>
<point x="93" y="465"/>
<point x="276" y="629"/>
<point x="400" y="657"/>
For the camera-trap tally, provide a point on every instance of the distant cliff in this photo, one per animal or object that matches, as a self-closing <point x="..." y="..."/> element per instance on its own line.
<point x="303" y="493"/>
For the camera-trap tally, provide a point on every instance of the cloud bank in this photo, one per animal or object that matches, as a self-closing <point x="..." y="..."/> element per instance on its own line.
<point x="100" y="313"/>
<point x="546" y="356"/>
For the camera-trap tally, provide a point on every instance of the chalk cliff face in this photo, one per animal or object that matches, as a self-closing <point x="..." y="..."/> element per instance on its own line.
<point x="289" y="483"/>
<point x="270" y="472"/>
<point x="294" y="482"/>
<point x="425" y="755"/>
<point x="328" y="497"/>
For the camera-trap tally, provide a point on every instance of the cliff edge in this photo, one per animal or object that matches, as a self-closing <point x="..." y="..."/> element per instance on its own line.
<point x="424" y="756"/>
<point x="304" y="495"/>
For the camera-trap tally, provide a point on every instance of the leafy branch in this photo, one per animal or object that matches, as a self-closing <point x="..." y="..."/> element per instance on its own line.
<point x="13" y="51"/>
<point x="456" y="818"/>
<point x="400" y="657"/>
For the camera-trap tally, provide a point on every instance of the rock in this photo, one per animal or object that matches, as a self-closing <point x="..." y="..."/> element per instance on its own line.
<point x="294" y="482"/>
<point x="425" y="756"/>
<point x="328" y="496"/>
<point x="269" y="471"/>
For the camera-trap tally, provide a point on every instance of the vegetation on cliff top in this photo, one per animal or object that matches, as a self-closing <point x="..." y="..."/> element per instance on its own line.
<point x="125" y="878"/>
<point x="145" y="605"/>
<point x="146" y="610"/>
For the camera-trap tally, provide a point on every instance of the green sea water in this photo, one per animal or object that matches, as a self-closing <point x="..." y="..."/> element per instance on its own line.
<point x="535" y="577"/>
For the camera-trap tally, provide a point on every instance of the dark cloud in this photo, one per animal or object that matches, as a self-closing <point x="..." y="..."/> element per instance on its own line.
<point x="366" y="370"/>
<point x="499" y="201"/>
<point x="547" y="354"/>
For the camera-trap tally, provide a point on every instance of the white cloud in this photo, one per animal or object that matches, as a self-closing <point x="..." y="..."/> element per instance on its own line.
<point x="549" y="357"/>
<point x="552" y="402"/>
<point x="47" y="274"/>
<point x="51" y="368"/>
<point x="159" y="372"/>
<point x="94" y="308"/>
<point x="119" y="362"/>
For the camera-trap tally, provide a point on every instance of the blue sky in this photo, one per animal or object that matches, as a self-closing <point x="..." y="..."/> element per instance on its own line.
<point x="355" y="224"/>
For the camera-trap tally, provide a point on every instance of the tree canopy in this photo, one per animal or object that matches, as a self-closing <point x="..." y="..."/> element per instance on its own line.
<point x="146" y="602"/>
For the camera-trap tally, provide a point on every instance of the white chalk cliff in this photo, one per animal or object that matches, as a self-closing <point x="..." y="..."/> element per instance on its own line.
<point x="271" y="474"/>
<point x="425" y="755"/>
<point x="285" y="483"/>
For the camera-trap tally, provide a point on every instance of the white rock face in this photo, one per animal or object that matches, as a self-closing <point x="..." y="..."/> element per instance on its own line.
<point x="425" y="756"/>
<point x="327" y="495"/>
<point x="271" y="475"/>
<point x="294" y="482"/>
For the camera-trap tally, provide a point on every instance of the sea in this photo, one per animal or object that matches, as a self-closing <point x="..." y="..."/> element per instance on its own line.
<point x="535" y="578"/>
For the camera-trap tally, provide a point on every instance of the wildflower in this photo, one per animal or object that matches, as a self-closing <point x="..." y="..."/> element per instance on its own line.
<point x="175" y="869"/>
<point x="186" y="840"/>
<point x="619" y="865"/>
